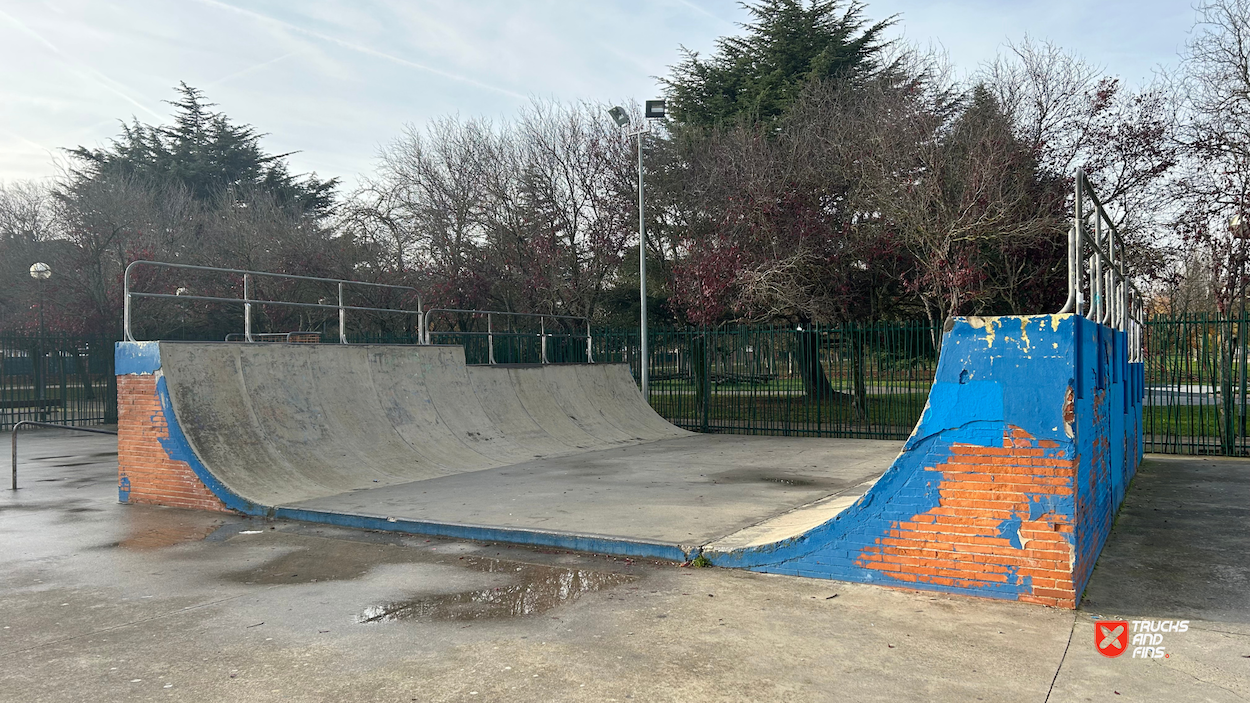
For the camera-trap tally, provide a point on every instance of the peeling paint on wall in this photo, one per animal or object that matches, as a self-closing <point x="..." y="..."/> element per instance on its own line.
<point x="1006" y="487"/>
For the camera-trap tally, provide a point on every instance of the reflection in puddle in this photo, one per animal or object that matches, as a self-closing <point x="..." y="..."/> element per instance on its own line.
<point x="538" y="589"/>
<point x="156" y="529"/>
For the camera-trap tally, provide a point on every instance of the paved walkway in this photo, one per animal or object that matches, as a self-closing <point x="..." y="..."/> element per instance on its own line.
<point x="124" y="603"/>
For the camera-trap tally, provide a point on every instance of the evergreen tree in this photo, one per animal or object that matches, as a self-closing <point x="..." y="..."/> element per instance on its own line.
<point x="787" y="44"/>
<point x="205" y="153"/>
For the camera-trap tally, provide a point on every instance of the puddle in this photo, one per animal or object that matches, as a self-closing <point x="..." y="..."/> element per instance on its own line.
<point x="156" y="529"/>
<point x="787" y="479"/>
<point x="530" y="589"/>
<point x="537" y="590"/>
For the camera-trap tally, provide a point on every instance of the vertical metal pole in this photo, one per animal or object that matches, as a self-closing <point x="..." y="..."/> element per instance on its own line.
<point x="1078" y="222"/>
<point x="542" y="332"/>
<point x="14" y="438"/>
<point x="1241" y="342"/>
<point x="1126" y="312"/>
<point x="1097" y="281"/>
<point x="40" y="381"/>
<point x="1111" y="290"/>
<point x="490" y="339"/>
<point x="644" y="356"/>
<point x="126" y="306"/>
<point x="589" y="358"/>
<point x="342" y="318"/>
<point x="247" y="308"/>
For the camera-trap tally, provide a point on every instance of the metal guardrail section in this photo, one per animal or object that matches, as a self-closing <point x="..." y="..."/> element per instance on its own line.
<point x="247" y="300"/>
<point x="288" y="337"/>
<point x="1096" y="264"/>
<point x="490" y="329"/>
<point x="28" y="423"/>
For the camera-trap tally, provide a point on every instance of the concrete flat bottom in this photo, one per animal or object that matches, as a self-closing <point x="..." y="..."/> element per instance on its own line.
<point x="690" y="490"/>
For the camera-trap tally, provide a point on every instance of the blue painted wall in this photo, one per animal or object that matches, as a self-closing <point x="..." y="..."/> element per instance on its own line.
<point x="1062" y="381"/>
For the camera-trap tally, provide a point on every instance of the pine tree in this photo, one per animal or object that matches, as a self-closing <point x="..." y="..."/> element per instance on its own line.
<point x="206" y="153"/>
<point x="787" y="44"/>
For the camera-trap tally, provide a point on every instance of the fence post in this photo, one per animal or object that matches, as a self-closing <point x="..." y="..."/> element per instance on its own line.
<point x="1226" y="386"/>
<point x="490" y="339"/>
<point x="707" y="376"/>
<point x="1241" y="344"/>
<point x="342" y="318"/>
<point x="247" y="308"/>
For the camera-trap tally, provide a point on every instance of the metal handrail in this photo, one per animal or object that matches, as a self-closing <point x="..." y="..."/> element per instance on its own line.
<point x="247" y="300"/>
<point x="288" y="337"/>
<point x="32" y="423"/>
<point x="490" y="329"/>
<point x="1113" y="299"/>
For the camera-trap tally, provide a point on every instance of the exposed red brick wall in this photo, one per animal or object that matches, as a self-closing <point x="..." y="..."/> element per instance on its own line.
<point x="154" y="477"/>
<point x="958" y="543"/>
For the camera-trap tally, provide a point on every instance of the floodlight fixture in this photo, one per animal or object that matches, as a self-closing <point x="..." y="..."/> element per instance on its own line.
<point x="619" y="116"/>
<point x="654" y="109"/>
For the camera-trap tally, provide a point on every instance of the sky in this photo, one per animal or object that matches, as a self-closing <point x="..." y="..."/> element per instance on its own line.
<point x="335" y="80"/>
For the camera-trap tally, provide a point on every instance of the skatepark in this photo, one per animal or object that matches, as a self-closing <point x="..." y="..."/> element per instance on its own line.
<point x="1006" y="488"/>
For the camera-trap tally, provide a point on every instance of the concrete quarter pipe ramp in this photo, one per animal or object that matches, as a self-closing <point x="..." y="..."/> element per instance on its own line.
<point x="1006" y="489"/>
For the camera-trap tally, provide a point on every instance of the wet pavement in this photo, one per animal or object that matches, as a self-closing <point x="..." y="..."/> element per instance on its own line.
<point x="106" y="602"/>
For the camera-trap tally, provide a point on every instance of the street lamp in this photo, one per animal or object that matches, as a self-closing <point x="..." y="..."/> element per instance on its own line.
<point x="654" y="109"/>
<point x="40" y="272"/>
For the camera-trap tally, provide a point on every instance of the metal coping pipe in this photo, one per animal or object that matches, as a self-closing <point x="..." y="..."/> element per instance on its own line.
<point x="247" y="300"/>
<point x="31" y="423"/>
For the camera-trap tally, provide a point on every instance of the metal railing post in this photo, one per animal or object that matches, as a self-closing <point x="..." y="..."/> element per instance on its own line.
<point x="589" y="346"/>
<point x="30" y="423"/>
<point x="1097" y="280"/>
<point x="342" y="318"/>
<point x="126" y="304"/>
<point x="542" y="331"/>
<point x="490" y="339"/>
<point x="1078" y="223"/>
<point x="247" y="307"/>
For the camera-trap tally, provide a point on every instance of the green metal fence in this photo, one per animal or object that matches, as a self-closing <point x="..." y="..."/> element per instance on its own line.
<point x="856" y="380"/>
<point x="56" y="378"/>
<point x="865" y="380"/>
<point x="1196" y="385"/>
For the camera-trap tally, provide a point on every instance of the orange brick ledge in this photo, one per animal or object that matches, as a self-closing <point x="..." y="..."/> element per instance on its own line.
<point x="145" y="473"/>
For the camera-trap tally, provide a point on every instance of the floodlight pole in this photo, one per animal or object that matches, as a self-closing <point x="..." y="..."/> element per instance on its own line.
<point x="654" y="109"/>
<point x="644" y="357"/>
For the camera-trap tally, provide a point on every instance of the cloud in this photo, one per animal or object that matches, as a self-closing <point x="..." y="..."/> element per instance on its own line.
<point x="250" y="69"/>
<point x="360" y="48"/>
<point x="333" y="79"/>
<point x="78" y="67"/>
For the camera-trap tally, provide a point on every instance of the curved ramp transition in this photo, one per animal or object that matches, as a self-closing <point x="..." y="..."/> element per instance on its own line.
<point x="1006" y="488"/>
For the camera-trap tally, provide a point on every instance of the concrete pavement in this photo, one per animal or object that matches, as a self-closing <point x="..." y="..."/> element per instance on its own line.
<point x="107" y="602"/>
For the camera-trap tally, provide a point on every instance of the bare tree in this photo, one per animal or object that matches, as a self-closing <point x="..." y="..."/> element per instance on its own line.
<point x="531" y="215"/>
<point x="1071" y="115"/>
<point x="27" y="223"/>
<point x="1214" y="186"/>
